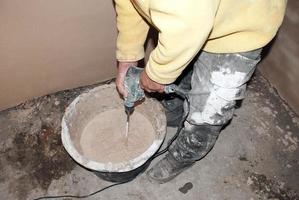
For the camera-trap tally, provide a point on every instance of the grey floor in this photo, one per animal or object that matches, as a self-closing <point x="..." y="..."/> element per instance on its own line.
<point x="256" y="156"/>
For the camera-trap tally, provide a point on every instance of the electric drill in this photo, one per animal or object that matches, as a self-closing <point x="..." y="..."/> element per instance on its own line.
<point x="134" y="92"/>
<point x="132" y="86"/>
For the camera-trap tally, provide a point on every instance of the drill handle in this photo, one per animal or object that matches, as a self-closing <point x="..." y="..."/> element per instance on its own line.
<point x="131" y="83"/>
<point x="168" y="89"/>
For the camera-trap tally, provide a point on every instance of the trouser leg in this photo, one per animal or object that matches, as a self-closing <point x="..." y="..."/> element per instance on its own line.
<point x="173" y="103"/>
<point x="184" y="81"/>
<point x="218" y="80"/>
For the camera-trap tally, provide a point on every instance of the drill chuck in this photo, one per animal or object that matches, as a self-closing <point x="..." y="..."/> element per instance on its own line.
<point x="129" y="109"/>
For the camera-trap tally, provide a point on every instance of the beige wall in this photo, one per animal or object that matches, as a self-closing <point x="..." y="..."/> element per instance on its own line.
<point x="51" y="45"/>
<point x="281" y="66"/>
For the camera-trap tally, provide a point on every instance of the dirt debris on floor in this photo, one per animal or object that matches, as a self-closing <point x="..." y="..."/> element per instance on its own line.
<point x="270" y="189"/>
<point x="188" y="186"/>
<point x="256" y="156"/>
<point x="32" y="154"/>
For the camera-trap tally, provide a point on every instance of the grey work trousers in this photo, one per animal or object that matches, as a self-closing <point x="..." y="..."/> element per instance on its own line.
<point x="217" y="81"/>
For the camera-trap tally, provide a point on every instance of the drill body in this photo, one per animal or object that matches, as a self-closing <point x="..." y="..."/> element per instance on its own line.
<point x="134" y="91"/>
<point x="132" y="86"/>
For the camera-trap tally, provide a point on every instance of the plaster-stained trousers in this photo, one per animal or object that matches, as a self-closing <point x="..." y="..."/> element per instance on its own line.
<point x="218" y="80"/>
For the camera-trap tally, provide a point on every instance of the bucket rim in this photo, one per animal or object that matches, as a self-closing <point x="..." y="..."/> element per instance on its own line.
<point x="107" y="167"/>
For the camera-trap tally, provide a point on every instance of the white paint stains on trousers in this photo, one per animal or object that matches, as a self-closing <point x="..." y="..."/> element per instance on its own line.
<point x="219" y="80"/>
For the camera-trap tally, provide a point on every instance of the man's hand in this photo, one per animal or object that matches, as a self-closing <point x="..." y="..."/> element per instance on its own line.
<point x="148" y="85"/>
<point x="122" y="68"/>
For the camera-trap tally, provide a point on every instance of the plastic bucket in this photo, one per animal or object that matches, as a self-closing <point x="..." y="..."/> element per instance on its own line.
<point x="100" y="99"/>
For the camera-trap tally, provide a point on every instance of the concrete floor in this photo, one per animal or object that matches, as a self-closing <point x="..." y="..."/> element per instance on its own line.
<point x="256" y="156"/>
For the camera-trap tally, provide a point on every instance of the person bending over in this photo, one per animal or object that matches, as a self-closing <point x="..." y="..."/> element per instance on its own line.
<point x="222" y="38"/>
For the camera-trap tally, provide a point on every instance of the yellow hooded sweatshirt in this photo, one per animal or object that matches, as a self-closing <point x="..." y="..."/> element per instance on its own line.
<point x="187" y="26"/>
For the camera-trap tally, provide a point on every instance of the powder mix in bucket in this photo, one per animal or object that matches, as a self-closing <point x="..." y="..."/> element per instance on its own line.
<point x="103" y="138"/>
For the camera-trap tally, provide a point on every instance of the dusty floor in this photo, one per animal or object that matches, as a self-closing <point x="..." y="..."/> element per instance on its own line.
<point x="256" y="157"/>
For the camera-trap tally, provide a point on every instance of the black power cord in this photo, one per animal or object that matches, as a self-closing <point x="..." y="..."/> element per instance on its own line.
<point x="178" y="91"/>
<point x="83" y="196"/>
<point x="184" y="95"/>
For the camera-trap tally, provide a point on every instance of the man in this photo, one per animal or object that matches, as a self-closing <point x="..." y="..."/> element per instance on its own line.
<point x="227" y="35"/>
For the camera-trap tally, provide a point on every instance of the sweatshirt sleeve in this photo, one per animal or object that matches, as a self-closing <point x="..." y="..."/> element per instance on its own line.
<point x="132" y="32"/>
<point x="183" y="28"/>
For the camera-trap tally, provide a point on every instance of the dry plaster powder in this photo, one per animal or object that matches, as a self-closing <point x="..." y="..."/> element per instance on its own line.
<point x="103" y="139"/>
